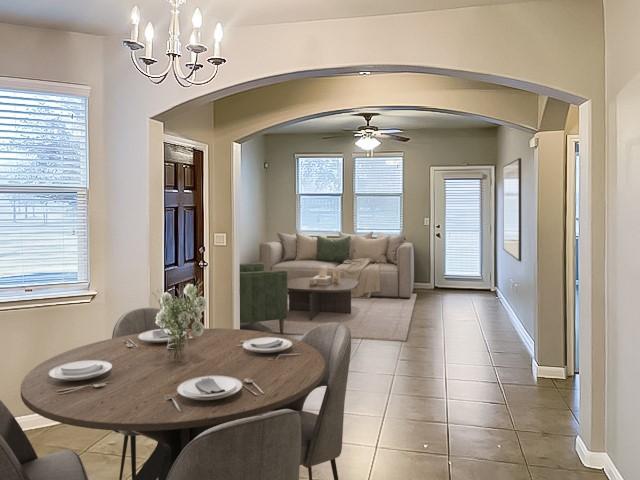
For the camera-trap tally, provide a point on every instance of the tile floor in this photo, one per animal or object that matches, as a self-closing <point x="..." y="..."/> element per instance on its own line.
<point x="457" y="401"/>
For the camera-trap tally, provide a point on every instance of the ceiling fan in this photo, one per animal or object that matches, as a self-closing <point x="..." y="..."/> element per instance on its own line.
<point x="368" y="136"/>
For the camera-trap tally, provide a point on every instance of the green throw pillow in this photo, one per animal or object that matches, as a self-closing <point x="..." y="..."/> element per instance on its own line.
<point x="333" y="250"/>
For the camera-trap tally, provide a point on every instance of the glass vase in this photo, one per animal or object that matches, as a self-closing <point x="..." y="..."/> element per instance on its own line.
<point x="177" y="346"/>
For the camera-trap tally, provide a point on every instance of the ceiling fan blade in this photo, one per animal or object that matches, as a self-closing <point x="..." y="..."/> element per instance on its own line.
<point x="389" y="130"/>
<point x="392" y="136"/>
<point x="334" y="136"/>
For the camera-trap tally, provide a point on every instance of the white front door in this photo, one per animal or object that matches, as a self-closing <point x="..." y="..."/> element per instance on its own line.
<point x="462" y="200"/>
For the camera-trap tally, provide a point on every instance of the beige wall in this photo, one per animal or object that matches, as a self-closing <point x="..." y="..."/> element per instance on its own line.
<point x="427" y="148"/>
<point x="31" y="336"/>
<point x="550" y="159"/>
<point x="516" y="279"/>
<point x="253" y="207"/>
<point x="623" y="234"/>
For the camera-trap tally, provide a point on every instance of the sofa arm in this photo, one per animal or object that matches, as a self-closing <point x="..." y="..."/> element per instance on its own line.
<point x="405" y="270"/>
<point x="270" y="254"/>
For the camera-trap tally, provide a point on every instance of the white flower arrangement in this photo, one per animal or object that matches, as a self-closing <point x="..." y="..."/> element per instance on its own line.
<point x="181" y="315"/>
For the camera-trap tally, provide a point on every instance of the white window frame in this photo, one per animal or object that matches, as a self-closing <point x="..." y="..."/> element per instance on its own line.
<point x="355" y="194"/>
<point x="341" y="195"/>
<point x="65" y="293"/>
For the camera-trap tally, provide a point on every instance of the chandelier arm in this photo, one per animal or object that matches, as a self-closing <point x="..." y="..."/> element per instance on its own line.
<point x="143" y="71"/>
<point x="177" y="70"/>
<point x="179" y="78"/>
<point x="204" y="82"/>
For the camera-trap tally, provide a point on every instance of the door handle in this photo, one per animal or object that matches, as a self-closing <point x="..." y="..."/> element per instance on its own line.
<point x="203" y="264"/>
<point x="438" y="235"/>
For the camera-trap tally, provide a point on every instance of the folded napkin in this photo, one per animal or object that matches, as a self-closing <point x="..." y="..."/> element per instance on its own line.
<point x="81" y="369"/>
<point x="275" y="343"/>
<point x="208" y="386"/>
<point x="160" y="333"/>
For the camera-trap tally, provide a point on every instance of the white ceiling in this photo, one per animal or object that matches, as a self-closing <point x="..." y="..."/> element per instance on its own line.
<point x="105" y="17"/>
<point x="402" y="119"/>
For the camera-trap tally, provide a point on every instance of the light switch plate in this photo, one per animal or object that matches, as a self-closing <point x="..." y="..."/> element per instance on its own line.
<point x="220" y="239"/>
<point x="426" y="221"/>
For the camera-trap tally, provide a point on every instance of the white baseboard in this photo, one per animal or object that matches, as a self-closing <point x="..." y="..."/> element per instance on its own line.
<point x="599" y="460"/>
<point x="422" y="286"/>
<point x="517" y="324"/>
<point x="541" y="371"/>
<point x="33" y="421"/>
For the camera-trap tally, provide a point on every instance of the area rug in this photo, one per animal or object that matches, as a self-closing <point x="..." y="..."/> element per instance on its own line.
<point x="371" y="318"/>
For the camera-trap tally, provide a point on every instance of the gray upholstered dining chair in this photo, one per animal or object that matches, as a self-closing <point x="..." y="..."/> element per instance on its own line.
<point x="133" y="322"/>
<point x="264" y="447"/>
<point x="322" y="432"/>
<point x="18" y="460"/>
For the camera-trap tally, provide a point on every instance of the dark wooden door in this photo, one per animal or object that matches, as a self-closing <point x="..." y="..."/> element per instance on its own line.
<point x="183" y="218"/>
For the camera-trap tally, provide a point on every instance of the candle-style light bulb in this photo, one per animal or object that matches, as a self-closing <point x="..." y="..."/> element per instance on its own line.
<point x="192" y="41"/>
<point x="196" y="20"/>
<point x="135" y="21"/>
<point x="217" y="35"/>
<point x="148" y="35"/>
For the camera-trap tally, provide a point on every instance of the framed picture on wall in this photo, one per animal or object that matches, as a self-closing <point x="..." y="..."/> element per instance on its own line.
<point x="511" y="208"/>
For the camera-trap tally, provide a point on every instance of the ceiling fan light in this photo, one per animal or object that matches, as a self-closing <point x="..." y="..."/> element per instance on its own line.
<point x="368" y="143"/>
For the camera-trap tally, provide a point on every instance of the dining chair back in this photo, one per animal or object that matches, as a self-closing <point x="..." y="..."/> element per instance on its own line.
<point x="135" y="321"/>
<point x="322" y="433"/>
<point x="18" y="460"/>
<point x="264" y="447"/>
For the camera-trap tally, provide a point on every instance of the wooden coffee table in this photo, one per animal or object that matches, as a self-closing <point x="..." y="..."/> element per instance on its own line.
<point x="320" y="298"/>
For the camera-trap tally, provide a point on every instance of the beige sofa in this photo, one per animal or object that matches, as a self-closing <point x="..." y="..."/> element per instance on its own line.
<point x="395" y="280"/>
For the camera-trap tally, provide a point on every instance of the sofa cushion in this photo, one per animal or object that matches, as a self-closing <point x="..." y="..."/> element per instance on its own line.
<point x="392" y="249"/>
<point x="306" y="247"/>
<point x="303" y="268"/>
<point x="375" y="249"/>
<point x="289" y="245"/>
<point x="333" y="249"/>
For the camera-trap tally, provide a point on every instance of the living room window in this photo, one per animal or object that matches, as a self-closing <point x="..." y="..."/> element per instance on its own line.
<point x="43" y="188"/>
<point x="319" y="185"/>
<point x="378" y="186"/>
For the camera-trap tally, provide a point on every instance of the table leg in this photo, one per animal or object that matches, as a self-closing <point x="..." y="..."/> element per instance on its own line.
<point x="314" y="305"/>
<point x="170" y="444"/>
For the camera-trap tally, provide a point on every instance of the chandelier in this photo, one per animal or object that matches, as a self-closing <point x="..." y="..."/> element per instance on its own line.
<point x="195" y="47"/>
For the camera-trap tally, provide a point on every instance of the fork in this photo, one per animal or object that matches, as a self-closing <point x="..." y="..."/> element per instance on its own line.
<point x="280" y="355"/>
<point x="62" y="391"/>
<point x="174" y="401"/>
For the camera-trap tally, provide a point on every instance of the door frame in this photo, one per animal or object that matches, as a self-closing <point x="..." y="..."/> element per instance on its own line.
<point x="570" y="251"/>
<point x="204" y="148"/>
<point x="492" y="226"/>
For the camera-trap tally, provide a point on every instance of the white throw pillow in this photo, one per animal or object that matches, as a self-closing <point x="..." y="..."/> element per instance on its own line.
<point x="306" y="247"/>
<point x="392" y="250"/>
<point x="351" y="235"/>
<point x="288" y="241"/>
<point x="375" y="249"/>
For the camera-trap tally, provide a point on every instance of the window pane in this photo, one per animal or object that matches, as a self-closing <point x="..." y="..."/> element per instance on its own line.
<point x="380" y="213"/>
<point x="320" y="213"/>
<point x="463" y="227"/>
<point x="43" y="238"/>
<point x="378" y="175"/>
<point x="43" y="139"/>
<point x="319" y="175"/>
<point x="43" y="189"/>
<point x="378" y="184"/>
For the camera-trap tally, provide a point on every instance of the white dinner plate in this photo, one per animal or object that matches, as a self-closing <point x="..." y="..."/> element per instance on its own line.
<point x="249" y="345"/>
<point x="58" y="374"/>
<point x="189" y="390"/>
<point x="150" y="337"/>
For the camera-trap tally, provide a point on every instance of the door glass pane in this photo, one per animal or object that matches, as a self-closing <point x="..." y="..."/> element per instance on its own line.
<point x="463" y="227"/>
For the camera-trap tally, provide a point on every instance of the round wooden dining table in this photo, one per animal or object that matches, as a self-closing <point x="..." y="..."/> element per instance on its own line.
<point x="134" y="399"/>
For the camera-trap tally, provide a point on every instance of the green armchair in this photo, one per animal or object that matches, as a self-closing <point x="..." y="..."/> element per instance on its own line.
<point x="263" y="295"/>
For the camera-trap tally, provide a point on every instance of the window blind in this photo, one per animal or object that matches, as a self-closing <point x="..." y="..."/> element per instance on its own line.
<point x="463" y="227"/>
<point x="378" y="186"/>
<point x="319" y="184"/>
<point x="43" y="189"/>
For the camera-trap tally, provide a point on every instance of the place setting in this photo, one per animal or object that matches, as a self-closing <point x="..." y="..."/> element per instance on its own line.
<point x="158" y="335"/>
<point x="267" y="345"/>
<point x="79" y="371"/>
